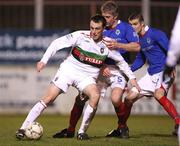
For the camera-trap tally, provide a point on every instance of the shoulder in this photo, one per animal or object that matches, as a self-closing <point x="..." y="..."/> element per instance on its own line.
<point x="82" y="32"/>
<point x="79" y="34"/>
<point x="125" y="25"/>
<point x="157" y="33"/>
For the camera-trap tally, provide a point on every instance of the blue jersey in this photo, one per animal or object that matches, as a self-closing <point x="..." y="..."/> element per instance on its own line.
<point x="154" y="46"/>
<point x="122" y="33"/>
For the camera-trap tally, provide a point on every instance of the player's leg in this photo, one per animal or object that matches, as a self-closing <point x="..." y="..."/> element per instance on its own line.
<point x="92" y="92"/>
<point x="122" y="131"/>
<point x="35" y="112"/>
<point x="123" y="114"/>
<point x="76" y="112"/>
<point x="161" y="96"/>
<point x="132" y="97"/>
<point x="168" y="107"/>
<point x="118" y="84"/>
<point x="75" y="115"/>
<point x="58" y="85"/>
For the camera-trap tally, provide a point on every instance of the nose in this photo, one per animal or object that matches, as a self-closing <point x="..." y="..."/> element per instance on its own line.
<point x="93" y="31"/>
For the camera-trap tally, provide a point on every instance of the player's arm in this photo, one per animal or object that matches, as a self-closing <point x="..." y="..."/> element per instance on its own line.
<point x="138" y="62"/>
<point x="174" y="47"/>
<point x="58" y="44"/>
<point x="124" y="67"/>
<point x="132" y="46"/>
<point x="162" y="41"/>
<point x="40" y="65"/>
<point x="113" y="45"/>
<point x="131" y="37"/>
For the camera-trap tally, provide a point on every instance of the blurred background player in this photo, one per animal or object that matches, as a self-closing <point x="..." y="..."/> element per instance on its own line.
<point x="173" y="54"/>
<point x="154" y="47"/>
<point x="174" y="50"/>
<point x="125" y="39"/>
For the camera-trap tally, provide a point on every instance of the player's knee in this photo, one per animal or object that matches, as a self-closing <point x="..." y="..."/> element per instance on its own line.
<point x="81" y="99"/>
<point x="94" y="99"/>
<point x="48" y="100"/>
<point x="132" y="96"/>
<point x="159" y="93"/>
<point x="129" y="101"/>
<point x="116" y="101"/>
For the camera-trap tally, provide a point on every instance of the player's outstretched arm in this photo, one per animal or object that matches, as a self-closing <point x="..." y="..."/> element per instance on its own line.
<point x="40" y="65"/>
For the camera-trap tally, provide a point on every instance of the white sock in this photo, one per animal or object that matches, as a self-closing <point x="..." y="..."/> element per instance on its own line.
<point x="34" y="114"/>
<point x="87" y="118"/>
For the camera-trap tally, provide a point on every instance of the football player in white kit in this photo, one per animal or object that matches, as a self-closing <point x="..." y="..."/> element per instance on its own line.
<point x="121" y="35"/>
<point x="80" y="69"/>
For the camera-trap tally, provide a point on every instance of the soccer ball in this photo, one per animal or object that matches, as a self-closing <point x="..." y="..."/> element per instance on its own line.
<point x="34" y="131"/>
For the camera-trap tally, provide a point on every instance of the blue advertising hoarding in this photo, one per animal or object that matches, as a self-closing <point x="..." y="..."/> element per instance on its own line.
<point x="27" y="47"/>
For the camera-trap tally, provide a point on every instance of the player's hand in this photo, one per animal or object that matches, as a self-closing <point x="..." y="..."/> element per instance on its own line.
<point x="135" y="85"/>
<point x="111" y="44"/>
<point x="106" y="72"/>
<point x="40" y="65"/>
<point x="167" y="72"/>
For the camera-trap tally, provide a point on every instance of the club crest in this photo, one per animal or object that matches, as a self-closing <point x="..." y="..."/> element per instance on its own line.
<point x="102" y="50"/>
<point x="148" y="40"/>
<point x="81" y="57"/>
<point x="118" y="32"/>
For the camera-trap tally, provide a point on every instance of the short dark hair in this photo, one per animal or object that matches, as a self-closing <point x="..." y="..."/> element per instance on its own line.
<point x="136" y="15"/>
<point x="99" y="18"/>
<point x="110" y="6"/>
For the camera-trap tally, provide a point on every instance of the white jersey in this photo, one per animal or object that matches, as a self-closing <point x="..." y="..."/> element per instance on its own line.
<point x="86" y="55"/>
<point x="174" y="50"/>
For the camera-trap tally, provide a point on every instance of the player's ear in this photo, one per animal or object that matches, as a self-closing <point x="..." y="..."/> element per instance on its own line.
<point x="115" y="17"/>
<point x="142" y="23"/>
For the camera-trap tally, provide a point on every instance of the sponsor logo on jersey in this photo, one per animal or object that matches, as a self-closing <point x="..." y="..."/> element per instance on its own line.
<point x="88" y="57"/>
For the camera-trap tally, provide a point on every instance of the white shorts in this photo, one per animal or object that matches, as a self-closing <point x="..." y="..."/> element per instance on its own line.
<point x="68" y="75"/>
<point x="149" y="83"/>
<point x="117" y="78"/>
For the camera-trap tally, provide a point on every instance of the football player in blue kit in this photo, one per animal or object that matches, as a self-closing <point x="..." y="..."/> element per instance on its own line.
<point x="124" y="38"/>
<point x="154" y="46"/>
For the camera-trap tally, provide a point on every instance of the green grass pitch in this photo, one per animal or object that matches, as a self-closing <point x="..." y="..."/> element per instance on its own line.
<point x="144" y="131"/>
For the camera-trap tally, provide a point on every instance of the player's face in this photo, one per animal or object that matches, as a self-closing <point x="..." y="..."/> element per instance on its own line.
<point x="96" y="31"/>
<point x="137" y="25"/>
<point x="110" y="19"/>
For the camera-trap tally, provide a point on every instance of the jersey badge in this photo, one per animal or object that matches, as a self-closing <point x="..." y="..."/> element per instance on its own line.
<point x="148" y="40"/>
<point x="81" y="57"/>
<point x="118" y="32"/>
<point x="102" y="50"/>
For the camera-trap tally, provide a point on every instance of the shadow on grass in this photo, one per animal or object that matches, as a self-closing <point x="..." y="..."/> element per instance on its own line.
<point x="135" y="136"/>
<point x="151" y="135"/>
